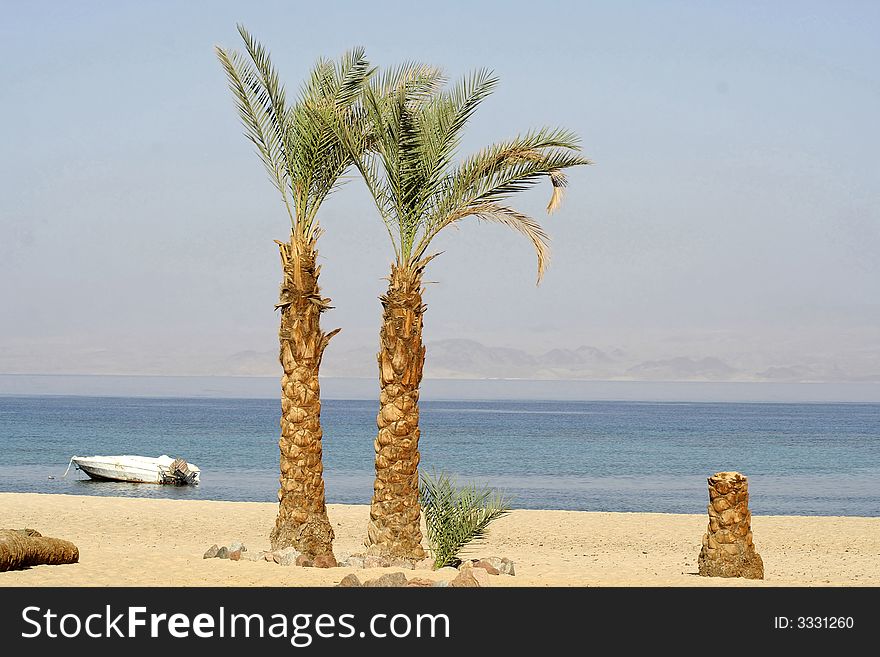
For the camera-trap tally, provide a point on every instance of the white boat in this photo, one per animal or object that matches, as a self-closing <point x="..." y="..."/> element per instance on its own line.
<point x="140" y="469"/>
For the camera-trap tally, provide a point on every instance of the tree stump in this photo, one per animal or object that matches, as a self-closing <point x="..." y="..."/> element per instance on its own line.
<point x="728" y="550"/>
<point x="22" y="548"/>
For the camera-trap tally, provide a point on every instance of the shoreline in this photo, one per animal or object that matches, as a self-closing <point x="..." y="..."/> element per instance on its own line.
<point x="126" y="541"/>
<point x="366" y="505"/>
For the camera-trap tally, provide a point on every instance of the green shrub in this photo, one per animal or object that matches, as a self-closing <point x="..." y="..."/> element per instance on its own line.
<point x="456" y="516"/>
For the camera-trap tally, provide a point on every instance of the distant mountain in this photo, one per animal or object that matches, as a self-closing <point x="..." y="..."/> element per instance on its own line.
<point x="469" y="359"/>
<point x="788" y="374"/>
<point x="683" y="369"/>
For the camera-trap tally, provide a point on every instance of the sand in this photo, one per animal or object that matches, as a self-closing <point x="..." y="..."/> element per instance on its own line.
<point x="158" y="542"/>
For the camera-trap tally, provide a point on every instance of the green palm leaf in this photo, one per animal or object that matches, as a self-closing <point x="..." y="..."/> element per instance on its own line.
<point x="298" y="143"/>
<point x="405" y="149"/>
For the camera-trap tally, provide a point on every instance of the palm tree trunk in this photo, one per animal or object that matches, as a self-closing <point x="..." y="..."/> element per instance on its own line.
<point x="394" y="529"/>
<point x="302" y="513"/>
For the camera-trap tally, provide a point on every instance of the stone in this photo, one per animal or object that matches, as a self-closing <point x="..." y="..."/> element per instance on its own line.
<point x="372" y="561"/>
<point x="420" y="582"/>
<point x="447" y="571"/>
<point x="489" y="568"/>
<point x="425" y="564"/>
<point x="223" y="553"/>
<point x="252" y="556"/>
<point x="495" y="562"/>
<point x="401" y="563"/>
<point x="441" y="583"/>
<point x="211" y="552"/>
<point x="350" y="580"/>
<point x="324" y="561"/>
<point x="353" y="561"/>
<point x="727" y="547"/>
<point x="235" y="555"/>
<point x="481" y="575"/>
<point x="397" y="579"/>
<point x="237" y="546"/>
<point x="304" y="561"/>
<point x="465" y="579"/>
<point x="286" y="556"/>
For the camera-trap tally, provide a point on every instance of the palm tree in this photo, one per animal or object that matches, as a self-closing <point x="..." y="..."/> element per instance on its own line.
<point x="297" y="145"/>
<point x="405" y="155"/>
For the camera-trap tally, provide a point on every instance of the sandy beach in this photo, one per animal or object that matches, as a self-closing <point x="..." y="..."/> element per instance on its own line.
<point x="160" y="542"/>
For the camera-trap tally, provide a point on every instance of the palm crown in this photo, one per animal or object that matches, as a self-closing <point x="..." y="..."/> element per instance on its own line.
<point x="408" y="131"/>
<point x="297" y="144"/>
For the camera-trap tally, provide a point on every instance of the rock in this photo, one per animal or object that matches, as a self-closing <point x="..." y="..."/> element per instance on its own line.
<point x="401" y="563"/>
<point x="350" y="580"/>
<point x="253" y="556"/>
<point x="481" y="576"/>
<point x="420" y="582"/>
<point x="235" y="555"/>
<point x="489" y="568"/>
<point x="495" y="562"/>
<point x="465" y="578"/>
<point x="447" y="571"/>
<point x="441" y="583"/>
<point x="502" y="564"/>
<point x="286" y="556"/>
<point x="371" y="561"/>
<point x="397" y="579"/>
<point x="237" y="546"/>
<point x="425" y="564"/>
<point x="211" y="552"/>
<point x="354" y="561"/>
<point x="324" y="561"/>
<point x="304" y="561"/>
<point x="223" y="553"/>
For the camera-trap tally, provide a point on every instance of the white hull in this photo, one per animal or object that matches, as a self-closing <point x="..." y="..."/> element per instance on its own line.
<point x="136" y="469"/>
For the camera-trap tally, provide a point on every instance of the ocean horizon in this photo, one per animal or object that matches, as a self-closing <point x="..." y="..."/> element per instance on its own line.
<point x="341" y="388"/>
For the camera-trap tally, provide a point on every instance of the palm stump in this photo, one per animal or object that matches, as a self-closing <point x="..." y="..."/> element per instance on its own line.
<point x="728" y="550"/>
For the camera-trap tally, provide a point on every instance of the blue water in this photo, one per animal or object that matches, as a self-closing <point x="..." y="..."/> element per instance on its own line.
<point x="805" y="459"/>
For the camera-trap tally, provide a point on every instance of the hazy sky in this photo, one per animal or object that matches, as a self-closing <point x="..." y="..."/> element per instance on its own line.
<point x="732" y="212"/>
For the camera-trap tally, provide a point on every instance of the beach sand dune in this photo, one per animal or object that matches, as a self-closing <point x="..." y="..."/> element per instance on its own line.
<point x="160" y="542"/>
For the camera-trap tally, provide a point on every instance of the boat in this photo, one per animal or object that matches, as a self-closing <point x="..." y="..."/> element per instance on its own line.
<point x="138" y="469"/>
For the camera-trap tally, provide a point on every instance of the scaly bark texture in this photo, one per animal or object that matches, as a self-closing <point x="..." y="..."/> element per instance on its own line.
<point x="394" y="529"/>
<point x="302" y="513"/>
<point x="728" y="550"/>
<point x="22" y="548"/>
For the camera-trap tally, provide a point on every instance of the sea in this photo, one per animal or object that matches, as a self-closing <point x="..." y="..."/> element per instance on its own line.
<point x="625" y="456"/>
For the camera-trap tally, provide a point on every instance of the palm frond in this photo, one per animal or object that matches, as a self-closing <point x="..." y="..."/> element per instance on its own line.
<point x="298" y="143"/>
<point x="521" y="223"/>
<point x="409" y="133"/>
<point x="244" y="84"/>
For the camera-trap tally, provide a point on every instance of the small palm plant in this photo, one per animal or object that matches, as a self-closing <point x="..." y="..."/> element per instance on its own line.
<point x="456" y="516"/>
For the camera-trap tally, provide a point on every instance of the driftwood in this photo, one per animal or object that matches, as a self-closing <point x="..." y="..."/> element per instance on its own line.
<point x="21" y="548"/>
